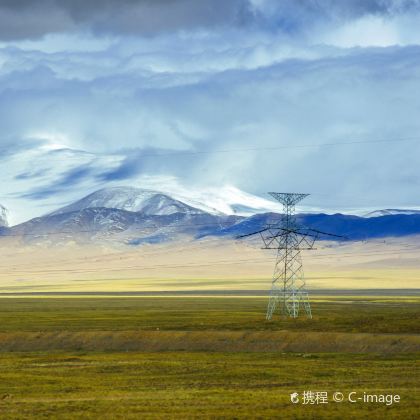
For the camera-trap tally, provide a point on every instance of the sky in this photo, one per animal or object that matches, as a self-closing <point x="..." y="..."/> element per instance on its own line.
<point x="313" y="96"/>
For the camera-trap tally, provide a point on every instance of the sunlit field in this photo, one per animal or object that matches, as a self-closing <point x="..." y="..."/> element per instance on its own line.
<point x="206" y="265"/>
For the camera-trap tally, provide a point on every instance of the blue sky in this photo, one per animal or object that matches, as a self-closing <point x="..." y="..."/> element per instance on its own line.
<point x="154" y="94"/>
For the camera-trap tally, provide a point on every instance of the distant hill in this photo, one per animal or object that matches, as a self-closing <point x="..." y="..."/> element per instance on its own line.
<point x="100" y="224"/>
<point x="352" y="227"/>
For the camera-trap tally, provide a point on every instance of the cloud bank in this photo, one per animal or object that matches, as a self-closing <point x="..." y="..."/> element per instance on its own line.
<point x="26" y="19"/>
<point x="124" y="92"/>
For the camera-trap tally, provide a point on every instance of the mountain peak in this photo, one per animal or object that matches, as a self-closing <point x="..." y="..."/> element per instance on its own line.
<point x="149" y="202"/>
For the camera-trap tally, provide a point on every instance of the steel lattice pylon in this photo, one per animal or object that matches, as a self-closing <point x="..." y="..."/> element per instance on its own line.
<point x="288" y="285"/>
<point x="288" y="238"/>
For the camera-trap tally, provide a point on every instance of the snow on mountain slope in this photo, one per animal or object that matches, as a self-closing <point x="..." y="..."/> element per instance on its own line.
<point x="132" y="199"/>
<point x="227" y="199"/>
<point x="168" y="196"/>
<point x="3" y="216"/>
<point x="161" y="204"/>
<point x="390" y="212"/>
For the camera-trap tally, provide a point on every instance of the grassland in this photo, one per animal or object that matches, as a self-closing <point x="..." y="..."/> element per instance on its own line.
<point x="200" y="385"/>
<point x="336" y="314"/>
<point x="204" y="358"/>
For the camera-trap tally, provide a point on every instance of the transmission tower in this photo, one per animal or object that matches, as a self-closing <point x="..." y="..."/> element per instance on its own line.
<point x="289" y="239"/>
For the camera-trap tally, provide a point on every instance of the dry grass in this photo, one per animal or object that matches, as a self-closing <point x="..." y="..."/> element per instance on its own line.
<point x="210" y="341"/>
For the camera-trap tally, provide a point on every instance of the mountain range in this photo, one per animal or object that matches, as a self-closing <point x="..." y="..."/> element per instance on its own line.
<point x="134" y="216"/>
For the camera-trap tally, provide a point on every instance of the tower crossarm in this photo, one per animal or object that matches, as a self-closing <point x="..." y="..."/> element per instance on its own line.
<point x="321" y="233"/>
<point x="288" y="199"/>
<point x="252" y="233"/>
<point x="280" y="242"/>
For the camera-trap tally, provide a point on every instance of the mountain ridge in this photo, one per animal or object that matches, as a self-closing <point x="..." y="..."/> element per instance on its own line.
<point x="135" y="216"/>
<point x="134" y="228"/>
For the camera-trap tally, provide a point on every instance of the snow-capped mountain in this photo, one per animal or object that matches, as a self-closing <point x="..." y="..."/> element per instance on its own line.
<point x="391" y="212"/>
<point x="3" y="216"/>
<point x="174" y="198"/>
<point x="132" y="199"/>
<point x="133" y="216"/>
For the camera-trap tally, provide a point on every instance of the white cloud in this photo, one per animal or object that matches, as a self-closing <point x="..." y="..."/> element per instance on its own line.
<point x="373" y="31"/>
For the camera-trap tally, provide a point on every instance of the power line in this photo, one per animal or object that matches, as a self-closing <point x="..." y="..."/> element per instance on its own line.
<point x="209" y="264"/>
<point x="198" y="242"/>
<point x="215" y="262"/>
<point x="259" y="148"/>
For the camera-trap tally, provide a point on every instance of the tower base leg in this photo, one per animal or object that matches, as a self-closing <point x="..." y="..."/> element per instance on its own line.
<point x="272" y="303"/>
<point x="290" y="301"/>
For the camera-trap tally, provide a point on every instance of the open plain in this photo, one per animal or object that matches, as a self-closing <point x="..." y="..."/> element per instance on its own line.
<point x="207" y="357"/>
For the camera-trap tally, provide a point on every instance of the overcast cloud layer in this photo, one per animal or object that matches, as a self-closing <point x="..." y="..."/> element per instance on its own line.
<point x="210" y="94"/>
